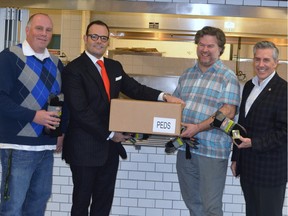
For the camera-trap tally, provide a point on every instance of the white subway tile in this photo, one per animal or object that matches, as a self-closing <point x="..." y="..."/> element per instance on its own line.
<point x="65" y="207"/>
<point x="179" y="204"/>
<point x="180" y="1"/>
<point x="199" y="1"/>
<point x="129" y="202"/>
<point x="59" y="180"/>
<point x="216" y="1"/>
<point x="146" y="166"/>
<point x="146" y="185"/>
<point x="163" y="186"/>
<point x="53" y="213"/>
<point x="147" y="149"/>
<point x="252" y="2"/>
<point x="154" y="176"/>
<point x="60" y="198"/>
<point x="283" y="4"/>
<point x="234" y="2"/>
<point x="146" y="203"/>
<point x="139" y="157"/>
<point x="232" y="190"/>
<point x="134" y="175"/>
<point x="171" y="195"/>
<point x="164" y="168"/>
<point x="121" y="192"/>
<point x="53" y="206"/>
<point x="154" y="211"/>
<point x="269" y="3"/>
<point x="156" y="158"/>
<point x="56" y="188"/>
<point x="154" y="195"/>
<point x="171" y="212"/>
<point x="233" y="208"/>
<point x="122" y="174"/>
<point x="170" y="177"/>
<point x="119" y="210"/>
<point x="128" y="184"/>
<point x="238" y="199"/>
<point x="137" y="211"/>
<point x="170" y="158"/>
<point x="137" y="193"/>
<point x="163" y="204"/>
<point x="129" y="165"/>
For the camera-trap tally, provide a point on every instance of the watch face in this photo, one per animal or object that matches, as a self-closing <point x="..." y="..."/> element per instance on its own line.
<point x="235" y="134"/>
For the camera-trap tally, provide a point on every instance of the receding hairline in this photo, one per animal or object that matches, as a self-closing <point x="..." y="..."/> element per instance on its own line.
<point x="37" y="14"/>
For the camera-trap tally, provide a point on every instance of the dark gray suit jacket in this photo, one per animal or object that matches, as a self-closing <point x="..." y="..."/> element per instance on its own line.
<point x="85" y="142"/>
<point x="265" y="164"/>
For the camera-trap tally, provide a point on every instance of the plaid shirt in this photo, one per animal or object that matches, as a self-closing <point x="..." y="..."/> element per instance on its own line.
<point x="204" y="94"/>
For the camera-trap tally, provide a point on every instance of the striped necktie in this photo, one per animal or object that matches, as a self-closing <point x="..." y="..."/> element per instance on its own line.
<point x="104" y="77"/>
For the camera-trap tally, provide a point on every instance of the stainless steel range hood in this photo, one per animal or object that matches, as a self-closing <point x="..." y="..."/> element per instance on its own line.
<point x="152" y="7"/>
<point x="175" y="21"/>
<point x="175" y="27"/>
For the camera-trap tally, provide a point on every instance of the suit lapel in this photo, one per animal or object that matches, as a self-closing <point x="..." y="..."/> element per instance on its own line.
<point x="265" y="92"/>
<point x="249" y="86"/>
<point x="95" y="74"/>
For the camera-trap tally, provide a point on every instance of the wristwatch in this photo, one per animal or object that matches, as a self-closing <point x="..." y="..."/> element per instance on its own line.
<point x="165" y="95"/>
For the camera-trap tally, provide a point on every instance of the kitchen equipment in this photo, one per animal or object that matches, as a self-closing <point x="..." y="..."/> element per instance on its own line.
<point x="14" y="22"/>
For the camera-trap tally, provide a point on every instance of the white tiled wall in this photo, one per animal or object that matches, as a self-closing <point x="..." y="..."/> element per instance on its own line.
<point x="71" y="33"/>
<point x="150" y="180"/>
<point x="147" y="185"/>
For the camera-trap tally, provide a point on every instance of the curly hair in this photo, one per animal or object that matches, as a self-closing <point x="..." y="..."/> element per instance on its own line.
<point x="209" y="30"/>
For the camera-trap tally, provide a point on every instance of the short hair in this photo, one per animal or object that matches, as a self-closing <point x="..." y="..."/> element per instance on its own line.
<point x="97" y="22"/>
<point x="267" y="45"/>
<point x="209" y="30"/>
<point x="32" y="17"/>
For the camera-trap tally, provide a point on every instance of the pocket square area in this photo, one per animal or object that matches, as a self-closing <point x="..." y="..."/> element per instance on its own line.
<point x="118" y="78"/>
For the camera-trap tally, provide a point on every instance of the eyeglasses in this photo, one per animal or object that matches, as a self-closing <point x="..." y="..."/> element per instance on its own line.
<point x="95" y="37"/>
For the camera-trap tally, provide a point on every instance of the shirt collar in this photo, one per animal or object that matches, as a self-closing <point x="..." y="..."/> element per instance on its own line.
<point x="255" y="80"/>
<point x="28" y="51"/>
<point x="93" y="58"/>
<point x="212" y="68"/>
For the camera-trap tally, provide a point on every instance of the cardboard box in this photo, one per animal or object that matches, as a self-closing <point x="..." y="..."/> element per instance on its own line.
<point x="147" y="117"/>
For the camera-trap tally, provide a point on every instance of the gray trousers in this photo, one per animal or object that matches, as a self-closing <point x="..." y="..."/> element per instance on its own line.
<point x="202" y="182"/>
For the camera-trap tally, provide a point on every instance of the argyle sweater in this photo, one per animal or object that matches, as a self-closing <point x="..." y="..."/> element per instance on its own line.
<point x="25" y="85"/>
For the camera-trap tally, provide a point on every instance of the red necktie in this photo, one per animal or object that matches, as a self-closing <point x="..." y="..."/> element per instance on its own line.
<point x="104" y="77"/>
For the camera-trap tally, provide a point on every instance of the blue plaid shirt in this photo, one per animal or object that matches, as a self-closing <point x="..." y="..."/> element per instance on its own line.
<point x="204" y="94"/>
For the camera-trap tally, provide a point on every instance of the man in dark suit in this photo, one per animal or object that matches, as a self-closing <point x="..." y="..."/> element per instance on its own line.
<point x="91" y="150"/>
<point x="261" y="158"/>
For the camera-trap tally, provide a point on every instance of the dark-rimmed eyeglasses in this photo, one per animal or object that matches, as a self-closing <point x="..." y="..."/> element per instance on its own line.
<point x="95" y="37"/>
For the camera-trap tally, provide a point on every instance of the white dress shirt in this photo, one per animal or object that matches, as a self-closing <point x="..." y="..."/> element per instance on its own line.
<point x="258" y="88"/>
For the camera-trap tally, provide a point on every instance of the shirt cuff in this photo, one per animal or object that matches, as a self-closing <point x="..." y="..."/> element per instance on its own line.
<point x="111" y="135"/>
<point x="160" y="97"/>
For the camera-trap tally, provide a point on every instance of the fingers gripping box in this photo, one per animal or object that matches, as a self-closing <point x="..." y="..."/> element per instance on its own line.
<point x="149" y="117"/>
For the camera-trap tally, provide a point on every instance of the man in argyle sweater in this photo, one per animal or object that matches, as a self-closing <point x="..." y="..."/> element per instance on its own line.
<point x="29" y="75"/>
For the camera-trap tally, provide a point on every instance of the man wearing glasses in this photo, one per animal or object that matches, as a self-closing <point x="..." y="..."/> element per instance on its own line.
<point x="91" y="150"/>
